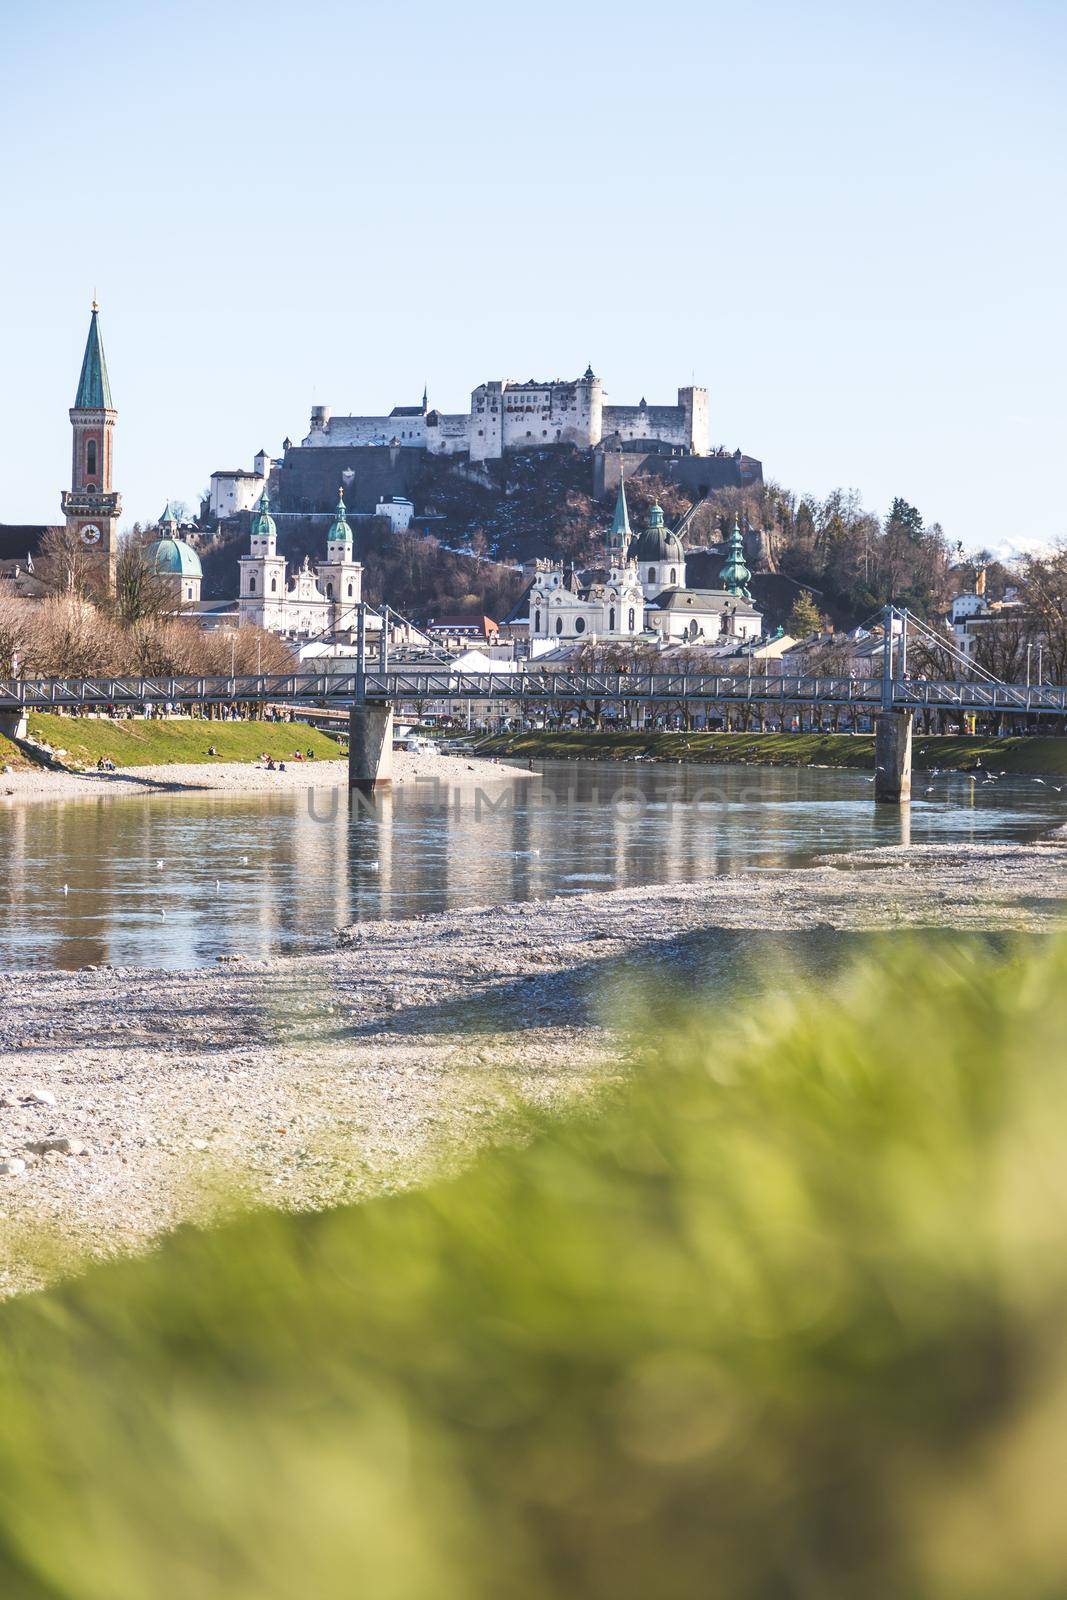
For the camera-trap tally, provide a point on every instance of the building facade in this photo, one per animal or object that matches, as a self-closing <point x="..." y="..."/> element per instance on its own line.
<point x="91" y="506"/>
<point x="641" y="595"/>
<point x="316" y="600"/>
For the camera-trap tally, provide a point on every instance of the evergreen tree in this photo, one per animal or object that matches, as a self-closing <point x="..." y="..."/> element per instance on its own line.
<point x="804" y="619"/>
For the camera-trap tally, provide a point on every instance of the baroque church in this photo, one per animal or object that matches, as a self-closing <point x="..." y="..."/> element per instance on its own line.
<point x="316" y="600"/>
<point x="641" y="595"/>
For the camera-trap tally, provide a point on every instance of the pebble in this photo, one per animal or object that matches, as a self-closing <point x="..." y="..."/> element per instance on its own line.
<point x="155" y="1066"/>
<point x="63" y="1147"/>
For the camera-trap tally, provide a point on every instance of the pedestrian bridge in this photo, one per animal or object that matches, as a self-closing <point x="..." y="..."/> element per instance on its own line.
<point x="408" y="686"/>
<point x="371" y="696"/>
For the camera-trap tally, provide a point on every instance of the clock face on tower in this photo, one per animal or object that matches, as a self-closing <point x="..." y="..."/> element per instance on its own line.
<point x="90" y="535"/>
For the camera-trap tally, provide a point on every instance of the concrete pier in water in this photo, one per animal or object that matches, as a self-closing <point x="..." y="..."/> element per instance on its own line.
<point x="370" y="747"/>
<point x="892" y="757"/>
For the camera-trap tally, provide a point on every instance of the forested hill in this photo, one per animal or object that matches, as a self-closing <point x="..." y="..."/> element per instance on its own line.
<point x="852" y="559"/>
<point x="540" y="504"/>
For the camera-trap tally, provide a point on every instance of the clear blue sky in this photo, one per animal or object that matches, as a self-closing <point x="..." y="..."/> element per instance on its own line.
<point x="846" y="220"/>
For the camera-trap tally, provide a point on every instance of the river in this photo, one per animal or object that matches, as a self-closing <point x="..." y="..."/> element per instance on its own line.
<point x="178" y="880"/>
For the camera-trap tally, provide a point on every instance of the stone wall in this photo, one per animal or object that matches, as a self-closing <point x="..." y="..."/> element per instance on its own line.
<point x="698" y="475"/>
<point x="310" y="476"/>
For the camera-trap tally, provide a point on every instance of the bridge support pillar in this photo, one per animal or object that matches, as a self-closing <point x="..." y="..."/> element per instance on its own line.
<point x="370" y="747"/>
<point x="13" y="724"/>
<point x="892" y="757"/>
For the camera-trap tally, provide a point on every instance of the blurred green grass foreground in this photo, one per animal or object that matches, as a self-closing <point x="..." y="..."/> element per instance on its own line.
<point x="783" y="1316"/>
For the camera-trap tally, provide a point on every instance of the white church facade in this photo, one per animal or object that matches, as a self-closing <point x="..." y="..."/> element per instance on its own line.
<point x="642" y="595"/>
<point x="317" y="599"/>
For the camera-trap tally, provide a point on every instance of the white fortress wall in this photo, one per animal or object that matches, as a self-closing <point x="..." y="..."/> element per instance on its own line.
<point x="450" y="436"/>
<point x="368" y="431"/>
<point x="510" y="415"/>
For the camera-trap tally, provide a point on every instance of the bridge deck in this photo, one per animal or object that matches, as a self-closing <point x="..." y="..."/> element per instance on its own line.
<point x="412" y="685"/>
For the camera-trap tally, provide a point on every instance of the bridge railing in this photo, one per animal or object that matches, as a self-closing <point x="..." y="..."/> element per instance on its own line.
<point x="419" y="684"/>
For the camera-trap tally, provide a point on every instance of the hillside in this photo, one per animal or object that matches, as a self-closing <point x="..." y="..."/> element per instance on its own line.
<point x="528" y="505"/>
<point x="540" y="503"/>
<point x="412" y="571"/>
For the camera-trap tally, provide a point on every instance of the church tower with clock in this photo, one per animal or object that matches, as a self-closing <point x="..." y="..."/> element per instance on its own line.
<point x="91" y="506"/>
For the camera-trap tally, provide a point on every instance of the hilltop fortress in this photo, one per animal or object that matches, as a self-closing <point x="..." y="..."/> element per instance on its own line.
<point x="505" y="415"/>
<point x="380" y="460"/>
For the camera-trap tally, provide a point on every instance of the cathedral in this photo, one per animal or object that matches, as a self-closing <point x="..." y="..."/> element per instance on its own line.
<point x="641" y="594"/>
<point x="317" y="600"/>
<point x="91" y="506"/>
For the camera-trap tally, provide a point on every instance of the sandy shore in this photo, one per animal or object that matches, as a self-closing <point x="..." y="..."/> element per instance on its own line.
<point x="320" y="1078"/>
<point x="41" y="784"/>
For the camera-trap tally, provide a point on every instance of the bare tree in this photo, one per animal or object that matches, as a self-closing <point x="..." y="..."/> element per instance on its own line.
<point x="1043" y="583"/>
<point x="140" y="591"/>
<point x="64" y="565"/>
<point x="16" y="632"/>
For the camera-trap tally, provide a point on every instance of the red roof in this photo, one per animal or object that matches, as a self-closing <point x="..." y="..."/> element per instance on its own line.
<point x="485" y="627"/>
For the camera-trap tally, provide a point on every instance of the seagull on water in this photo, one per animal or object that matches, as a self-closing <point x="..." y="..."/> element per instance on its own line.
<point x="159" y="865"/>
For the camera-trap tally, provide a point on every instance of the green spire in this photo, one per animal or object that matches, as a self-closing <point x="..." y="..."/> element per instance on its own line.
<point x="340" y="532"/>
<point x="655" y="516"/>
<point x="735" y="575"/>
<point x="94" y="391"/>
<point x="620" y="524"/>
<point x="263" y="523"/>
<point x="169" y="515"/>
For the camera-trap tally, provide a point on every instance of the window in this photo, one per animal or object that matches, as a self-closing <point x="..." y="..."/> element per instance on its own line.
<point x="559" y="624"/>
<point x="630" y="629"/>
<point x="90" y="458"/>
<point x="350" y="591"/>
<point x="537" y="622"/>
<point x="611" y="620"/>
<point x="252" y="584"/>
<point x="674" y="575"/>
<point x="579" y="624"/>
<point x="274" y="586"/>
<point x="651" y="574"/>
<point x="329" y="591"/>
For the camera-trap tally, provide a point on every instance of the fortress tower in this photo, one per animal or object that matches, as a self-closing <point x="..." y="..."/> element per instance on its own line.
<point x="91" y="506"/>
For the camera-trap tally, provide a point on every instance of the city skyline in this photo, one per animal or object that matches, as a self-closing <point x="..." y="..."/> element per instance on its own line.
<point x="851" y="242"/>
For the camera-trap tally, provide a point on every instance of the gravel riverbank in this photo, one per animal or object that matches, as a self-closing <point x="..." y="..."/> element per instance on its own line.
<point x="42" y="784"/>
<point x="314" y="1079"/>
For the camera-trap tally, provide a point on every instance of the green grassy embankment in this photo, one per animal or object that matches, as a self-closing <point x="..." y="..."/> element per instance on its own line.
<point x="781" y="749"/>
<point x="784" y="1307"/>
<point x="183" y="740"/>
<point x="11" y="757"/>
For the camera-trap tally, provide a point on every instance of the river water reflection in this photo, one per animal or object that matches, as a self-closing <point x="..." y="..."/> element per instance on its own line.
<point x="175" y="880"/>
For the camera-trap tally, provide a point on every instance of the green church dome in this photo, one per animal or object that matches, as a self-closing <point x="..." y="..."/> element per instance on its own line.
<point x="262" y="521"/>
<point x="170" y="557"/>
<point x="657" y="542"/>
<point x="340" y="532"/>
